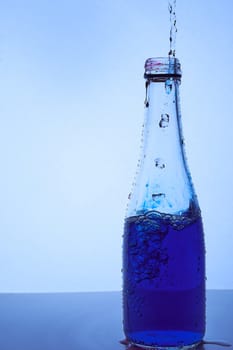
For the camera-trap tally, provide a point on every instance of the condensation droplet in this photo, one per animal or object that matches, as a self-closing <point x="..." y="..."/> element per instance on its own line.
<point x="164" y="121"/>
<point x="146" y="102"/>
<point x="159" y="163"/>
<point x="129" y="196"/>
<point x="168" y="86"/>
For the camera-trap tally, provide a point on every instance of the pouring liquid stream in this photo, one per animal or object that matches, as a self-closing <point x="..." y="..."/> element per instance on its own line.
<point x="173" y="28"/>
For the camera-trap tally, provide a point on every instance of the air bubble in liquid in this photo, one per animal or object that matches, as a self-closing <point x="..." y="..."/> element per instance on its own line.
<point x="159" y="163"/>
<point x="164" y="121"/>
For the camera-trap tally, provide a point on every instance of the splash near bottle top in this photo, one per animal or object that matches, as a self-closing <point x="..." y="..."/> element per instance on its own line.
<point x="163" y="245"/>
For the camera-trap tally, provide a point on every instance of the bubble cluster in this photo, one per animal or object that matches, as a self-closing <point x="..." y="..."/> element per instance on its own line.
<point x="145" y="246"/>
<point x="145" y="236"/>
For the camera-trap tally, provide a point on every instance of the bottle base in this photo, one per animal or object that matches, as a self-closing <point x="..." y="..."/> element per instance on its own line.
<point x="165" y="340"/>
<point x="158" y="347"/>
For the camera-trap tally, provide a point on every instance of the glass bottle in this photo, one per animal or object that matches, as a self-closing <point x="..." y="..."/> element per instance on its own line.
<point x="163" y="244"/>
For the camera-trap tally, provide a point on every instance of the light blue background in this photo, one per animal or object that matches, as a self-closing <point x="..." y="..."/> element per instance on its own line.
<point x="71" y="110"/>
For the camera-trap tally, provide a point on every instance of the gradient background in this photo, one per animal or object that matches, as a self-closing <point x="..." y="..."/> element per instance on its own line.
<point x="71" y="110"/>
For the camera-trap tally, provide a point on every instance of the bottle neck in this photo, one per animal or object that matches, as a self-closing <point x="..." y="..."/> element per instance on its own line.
<point x="163" y="133"/>
<point x="163" y="181"/>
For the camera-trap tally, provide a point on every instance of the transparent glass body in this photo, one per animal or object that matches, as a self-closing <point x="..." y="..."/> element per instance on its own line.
<point x="163" y="246"/>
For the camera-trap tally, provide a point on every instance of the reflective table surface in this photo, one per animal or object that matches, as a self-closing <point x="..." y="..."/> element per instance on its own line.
<point x="90" y="321"/>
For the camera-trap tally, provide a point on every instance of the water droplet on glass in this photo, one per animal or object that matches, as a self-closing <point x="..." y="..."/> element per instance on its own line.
<point x="157" y="196"/>
<point x="168" y="86"/>
<point x="164" y="121"/>
<point x="159" y="164"/>
<point x="129" y="196"/>
<point x="146" y="102"/>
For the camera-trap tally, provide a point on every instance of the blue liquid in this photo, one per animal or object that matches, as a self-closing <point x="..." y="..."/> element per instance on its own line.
<point x="164" y="280"/>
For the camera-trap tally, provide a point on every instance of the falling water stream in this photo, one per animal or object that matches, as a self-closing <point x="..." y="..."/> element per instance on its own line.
<point x="173" y="28"/>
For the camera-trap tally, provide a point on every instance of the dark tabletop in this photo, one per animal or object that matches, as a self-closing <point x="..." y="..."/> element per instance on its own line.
<point x="89" y="321"/>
